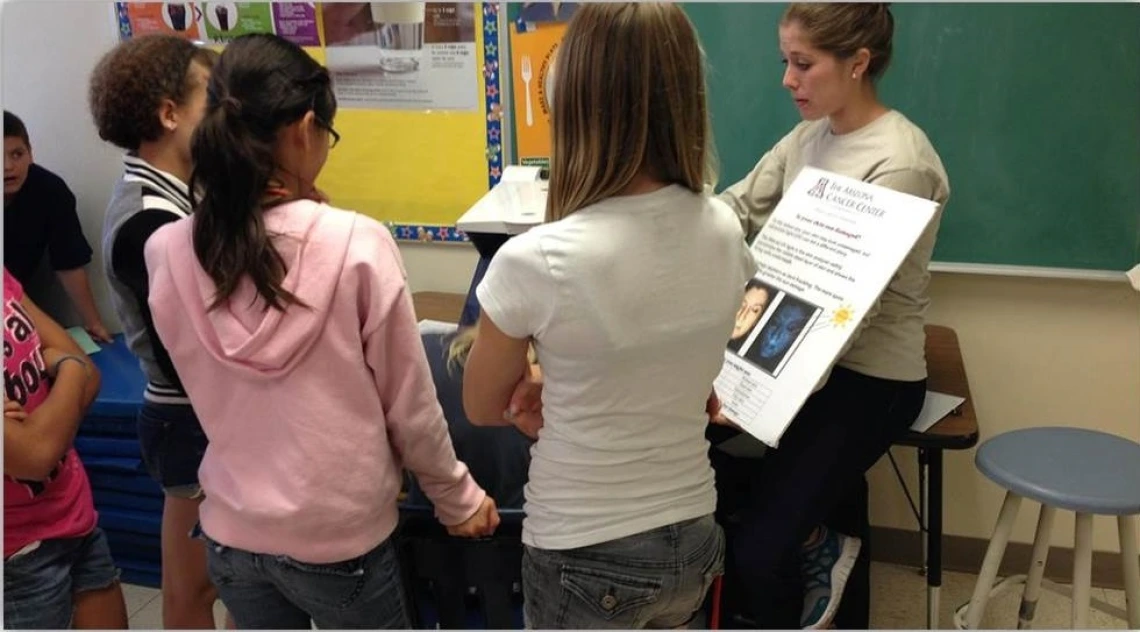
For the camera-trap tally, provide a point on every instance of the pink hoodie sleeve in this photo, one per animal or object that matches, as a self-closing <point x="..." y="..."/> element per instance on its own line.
<point x="394" y="352"/>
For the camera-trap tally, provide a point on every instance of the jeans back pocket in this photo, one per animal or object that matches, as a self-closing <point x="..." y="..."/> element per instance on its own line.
<point x="325" y="585"/>
<point x="609" y="594"/>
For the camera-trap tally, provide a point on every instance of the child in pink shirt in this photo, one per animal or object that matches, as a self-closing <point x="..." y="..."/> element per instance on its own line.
<point x="291" y="327"/>
<point x="58" y="571"/>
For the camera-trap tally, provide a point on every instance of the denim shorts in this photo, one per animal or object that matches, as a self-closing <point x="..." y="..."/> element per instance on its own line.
<point x="277" y="592"/>
<point x="173" y="445"/>
<point x="40" y="586"/>
<point x="655" y="579"/>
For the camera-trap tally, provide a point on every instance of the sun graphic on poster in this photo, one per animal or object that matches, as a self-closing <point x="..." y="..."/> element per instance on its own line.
<point x="842" y="315"/>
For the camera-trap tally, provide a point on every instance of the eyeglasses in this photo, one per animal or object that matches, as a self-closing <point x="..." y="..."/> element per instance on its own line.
<point x="334" y="138"/>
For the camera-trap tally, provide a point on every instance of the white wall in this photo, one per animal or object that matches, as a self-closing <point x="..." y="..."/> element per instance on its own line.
<point x="1038" y="352"/>
<point x="48" y="52"/>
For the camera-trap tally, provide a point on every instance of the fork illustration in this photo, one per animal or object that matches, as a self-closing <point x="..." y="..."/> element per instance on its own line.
<point x="527" y="75"/>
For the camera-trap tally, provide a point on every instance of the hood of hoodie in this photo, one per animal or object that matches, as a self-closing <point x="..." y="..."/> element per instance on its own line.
<point x="244" y="333"/>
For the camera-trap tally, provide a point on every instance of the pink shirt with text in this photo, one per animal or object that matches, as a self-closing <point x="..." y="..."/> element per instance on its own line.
<point x="61" y="505"/>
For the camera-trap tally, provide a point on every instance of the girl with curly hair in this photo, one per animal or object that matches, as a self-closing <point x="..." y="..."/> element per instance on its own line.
<point x="147" y="97"/>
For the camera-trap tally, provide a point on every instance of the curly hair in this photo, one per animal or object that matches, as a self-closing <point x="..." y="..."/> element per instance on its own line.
<point x="131" y="82"/>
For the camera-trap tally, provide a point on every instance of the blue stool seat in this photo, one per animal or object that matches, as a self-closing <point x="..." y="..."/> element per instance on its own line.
<point x="1084" y="471"/>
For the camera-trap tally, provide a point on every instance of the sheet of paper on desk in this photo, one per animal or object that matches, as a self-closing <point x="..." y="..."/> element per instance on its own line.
<point x="824" y="256"/>
<point x="937" y="406"/>
<point x="80" y="335"/>
<point x="428" y="326"/>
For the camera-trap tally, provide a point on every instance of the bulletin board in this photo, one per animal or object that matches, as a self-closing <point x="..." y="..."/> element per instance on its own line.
<point x="416" y="156"/>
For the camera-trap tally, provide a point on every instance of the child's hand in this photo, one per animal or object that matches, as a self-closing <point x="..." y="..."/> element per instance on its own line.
<point x="99" y="333"/>
<point x="14" y="411"/>
<point x="525" y="408"/>
<point x="481" y="524"/>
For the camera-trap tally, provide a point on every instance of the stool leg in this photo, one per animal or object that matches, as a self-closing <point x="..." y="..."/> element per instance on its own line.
<point x="1036" y="568"/>
<point x="1082" y="572"/>
<point x="992" y="561"/>
<point x="1130" y="551"/>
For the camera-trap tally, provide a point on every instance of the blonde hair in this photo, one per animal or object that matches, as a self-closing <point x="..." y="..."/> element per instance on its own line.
<point x="629" y="97"/>
<point x="460" y="348"/>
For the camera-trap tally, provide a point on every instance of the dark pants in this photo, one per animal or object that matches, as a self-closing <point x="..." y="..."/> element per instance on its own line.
<point x="769" y="506"/>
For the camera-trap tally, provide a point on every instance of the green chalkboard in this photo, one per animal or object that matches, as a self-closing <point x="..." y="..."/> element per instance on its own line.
<point x="1034" y="108"/>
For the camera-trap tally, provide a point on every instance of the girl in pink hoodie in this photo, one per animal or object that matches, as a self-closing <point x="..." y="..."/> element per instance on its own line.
<point x="292" y="329"/>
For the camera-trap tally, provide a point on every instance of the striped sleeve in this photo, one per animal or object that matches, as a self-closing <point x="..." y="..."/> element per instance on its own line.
<point x="129" y="265"/>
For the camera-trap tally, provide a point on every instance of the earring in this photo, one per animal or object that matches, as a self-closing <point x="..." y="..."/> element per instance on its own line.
<point x="854" y="76"/>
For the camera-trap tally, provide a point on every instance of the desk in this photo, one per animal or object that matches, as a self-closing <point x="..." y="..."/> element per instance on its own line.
<point x="957" y="431"/>
<point x="442" y="306"/>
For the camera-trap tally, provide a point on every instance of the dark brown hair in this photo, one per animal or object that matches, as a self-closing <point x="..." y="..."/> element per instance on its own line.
<point x="842" y="28"/>
<point x="261" y="84"/>
<point x="15" y="128"/>
<point x="618" y="111"/>
<point x="130" y="83"/>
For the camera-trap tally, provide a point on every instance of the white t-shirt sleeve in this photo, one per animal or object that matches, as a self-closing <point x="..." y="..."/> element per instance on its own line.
<point x="518" y="291"/>
<point x="747" y="261"/>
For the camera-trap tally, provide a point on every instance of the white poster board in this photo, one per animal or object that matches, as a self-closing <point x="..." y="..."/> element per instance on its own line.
<point x="825" y="255"/>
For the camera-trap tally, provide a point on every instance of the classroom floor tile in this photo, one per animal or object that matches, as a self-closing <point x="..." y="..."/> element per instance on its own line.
<point x="138" y="597"/>
<point x="899" y="601"/>
<point x="149" y="616"/>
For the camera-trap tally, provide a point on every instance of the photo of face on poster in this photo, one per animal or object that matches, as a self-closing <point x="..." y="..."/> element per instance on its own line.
<point x="781" y="334"/>
<point x="758" y="297"/>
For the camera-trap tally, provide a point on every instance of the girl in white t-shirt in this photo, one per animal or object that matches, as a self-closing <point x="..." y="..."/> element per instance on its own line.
<point x="625" y="296"/>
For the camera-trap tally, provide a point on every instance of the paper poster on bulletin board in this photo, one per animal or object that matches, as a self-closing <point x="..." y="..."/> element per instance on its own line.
<point x="295" y="21"/>
<point x="165" y="18"/>
<point x="535" y="37"/>
<point x="217" y="22"/>
<point x="415" y="166"/>
<point x="402" y="55"/>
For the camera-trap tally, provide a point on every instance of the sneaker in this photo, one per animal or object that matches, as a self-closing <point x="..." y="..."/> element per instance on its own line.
<point x="826" y="566"/>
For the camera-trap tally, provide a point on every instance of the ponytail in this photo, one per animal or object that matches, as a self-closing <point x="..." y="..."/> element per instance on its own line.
<point x="261" y="84"/>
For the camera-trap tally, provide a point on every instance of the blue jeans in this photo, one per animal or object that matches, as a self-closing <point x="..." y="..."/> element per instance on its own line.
<point x="278" y="592"/>
<point x="173" y="444"/>
<point x="40" y="586"/>
<point x="656" y="579"/>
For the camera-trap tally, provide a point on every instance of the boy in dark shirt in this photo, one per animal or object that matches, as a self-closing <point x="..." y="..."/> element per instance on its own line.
<point x="39" y="217"/>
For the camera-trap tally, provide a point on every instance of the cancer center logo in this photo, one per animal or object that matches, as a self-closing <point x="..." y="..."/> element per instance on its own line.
<point x="818" y="190"/>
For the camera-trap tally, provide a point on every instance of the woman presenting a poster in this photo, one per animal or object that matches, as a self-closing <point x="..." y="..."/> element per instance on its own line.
<point x="786" y="547"/>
